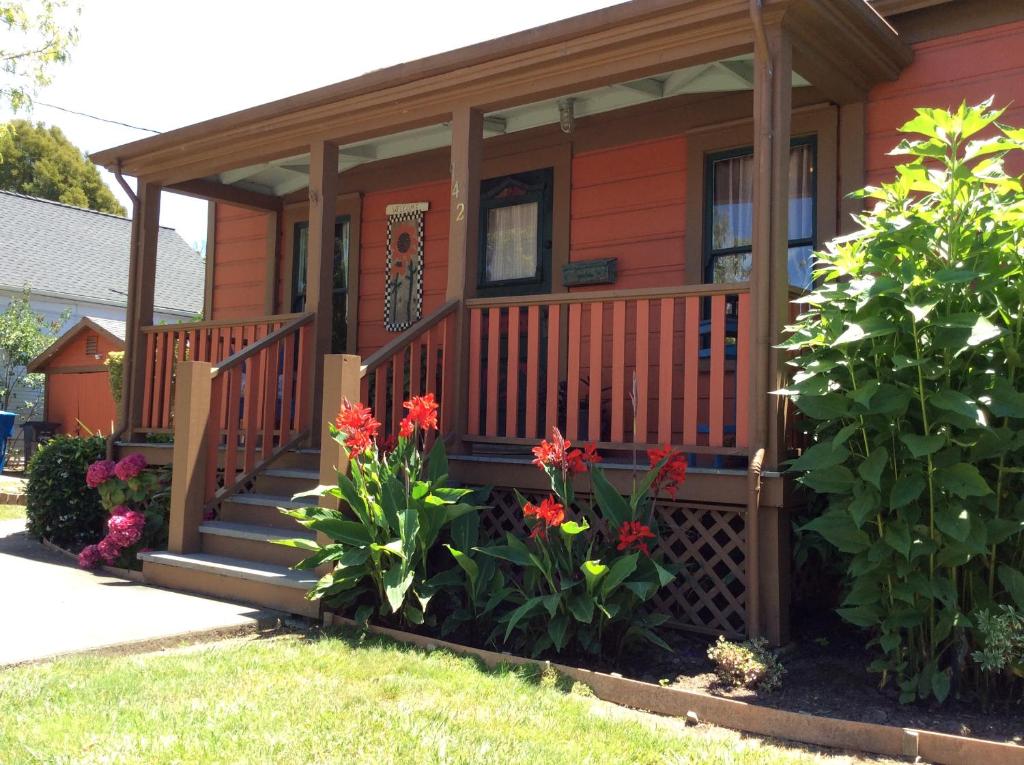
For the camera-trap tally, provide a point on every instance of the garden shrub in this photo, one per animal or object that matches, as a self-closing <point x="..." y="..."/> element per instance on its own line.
<point x="583" y="583"/>
<point x="60" y="507"/>
<point x="398" y="503"/>
<point x="909" y="375"/>
<point x="137" y="499"/>
<point x="115" y="373"/>
<point x="750" y="664"/>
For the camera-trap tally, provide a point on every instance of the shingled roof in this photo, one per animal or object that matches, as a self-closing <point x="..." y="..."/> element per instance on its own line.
<point x="56" y="249"/>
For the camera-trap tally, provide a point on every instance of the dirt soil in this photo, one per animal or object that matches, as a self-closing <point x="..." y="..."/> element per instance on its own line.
<point x="826" y="675"/>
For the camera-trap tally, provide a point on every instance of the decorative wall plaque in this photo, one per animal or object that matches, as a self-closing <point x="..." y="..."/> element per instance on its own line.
<point x="403" y="274"/>
<point x="596" y="271"/>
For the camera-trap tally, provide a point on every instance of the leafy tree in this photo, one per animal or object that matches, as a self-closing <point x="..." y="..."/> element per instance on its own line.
<point x="911" y="353"/>
<point x="34" y="36"/>
<point x="24" y="334"/>
<point x="42" y="162"/>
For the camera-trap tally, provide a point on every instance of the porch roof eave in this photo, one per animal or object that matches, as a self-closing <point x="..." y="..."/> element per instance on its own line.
<point x="845" y="41"/>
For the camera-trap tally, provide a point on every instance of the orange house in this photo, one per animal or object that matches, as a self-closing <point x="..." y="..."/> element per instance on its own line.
<point x="596" y="225"/>
<point x="78" y="394"/>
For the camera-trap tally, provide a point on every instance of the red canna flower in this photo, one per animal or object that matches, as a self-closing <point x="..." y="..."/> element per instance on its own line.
<point x="406" y="428"/>
<point x="549" y="514"/>
<point x="422" y="411"/>
<point x="631" y="536"/>
<point x="672" y="473"/>
<point x="557" y="454"/>
<point x="357" y="426"/>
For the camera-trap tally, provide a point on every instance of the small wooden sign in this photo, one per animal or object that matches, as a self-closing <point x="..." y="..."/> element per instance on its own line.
<point x="596" y="271"/>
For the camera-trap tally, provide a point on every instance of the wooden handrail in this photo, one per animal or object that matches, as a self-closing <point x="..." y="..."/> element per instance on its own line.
<point x="188" y="325"/>
<point x="399" y="344"/>
<point x="253" y="348"/>
<point x="650" y="293"/>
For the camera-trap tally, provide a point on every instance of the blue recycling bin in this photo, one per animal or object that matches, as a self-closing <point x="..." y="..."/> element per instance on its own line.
<point x="6" y="429"/>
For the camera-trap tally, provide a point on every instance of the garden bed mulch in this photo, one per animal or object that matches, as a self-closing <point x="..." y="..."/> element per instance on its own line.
<point x="826" y="675"/>
<point x="800" y="715"/>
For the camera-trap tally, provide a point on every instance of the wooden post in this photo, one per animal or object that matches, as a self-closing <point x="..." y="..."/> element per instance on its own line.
<point x="463" y="232"/>
<point x="769" y="312"/>
<point x="188" y="479"/>
<point x="341" y="381"/>
<point x="323" y="193"/>
<point x="141" y="286"/>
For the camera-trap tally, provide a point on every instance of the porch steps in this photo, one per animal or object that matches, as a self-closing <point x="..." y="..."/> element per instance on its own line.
<point x="251" y="542"/>
<point x="238" y="558"/>
<point x="264" y="584"/>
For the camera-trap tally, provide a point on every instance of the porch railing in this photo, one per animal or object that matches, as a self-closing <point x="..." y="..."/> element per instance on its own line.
<point x="621" y="369"/>
<point x="256" y="405"/>
<point x="213" y="341"/>
<point x="414" y="363"/>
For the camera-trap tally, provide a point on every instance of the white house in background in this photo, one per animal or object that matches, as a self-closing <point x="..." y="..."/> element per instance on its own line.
<point x="77" y="259"/>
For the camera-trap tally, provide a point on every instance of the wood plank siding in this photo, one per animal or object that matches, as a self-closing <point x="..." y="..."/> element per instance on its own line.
<point x="239" y="272"/>
<point x="971" y="67"/>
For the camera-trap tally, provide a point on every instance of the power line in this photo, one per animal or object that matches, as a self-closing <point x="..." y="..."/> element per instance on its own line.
<point x="94" y="117"/>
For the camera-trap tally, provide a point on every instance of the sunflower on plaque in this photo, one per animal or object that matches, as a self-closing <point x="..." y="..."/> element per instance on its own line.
<point x="403" y="295"/>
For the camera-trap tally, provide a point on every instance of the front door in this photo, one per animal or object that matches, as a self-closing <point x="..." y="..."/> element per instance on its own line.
<point x="339" y="279"/>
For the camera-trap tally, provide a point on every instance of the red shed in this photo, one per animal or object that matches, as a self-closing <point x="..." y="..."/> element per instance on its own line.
<point x="77" y="391"/>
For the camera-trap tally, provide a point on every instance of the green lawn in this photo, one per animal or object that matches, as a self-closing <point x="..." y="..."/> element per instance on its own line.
<point x="289" y="699"/>
<point x="11" y="512"/>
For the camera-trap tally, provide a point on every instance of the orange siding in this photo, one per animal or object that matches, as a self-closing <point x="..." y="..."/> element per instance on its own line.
<point x="239" y="269"/>
<point x="967" y="67"/>
<point x="84" y="397"/>
<point x="80" y="396"/>
<point x="372" y="255"/>
<point x="73" y="354"/>
<point x="628" y="202"/>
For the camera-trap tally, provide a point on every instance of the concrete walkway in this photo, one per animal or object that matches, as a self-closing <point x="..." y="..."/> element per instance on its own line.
<point x="48" y="606"/>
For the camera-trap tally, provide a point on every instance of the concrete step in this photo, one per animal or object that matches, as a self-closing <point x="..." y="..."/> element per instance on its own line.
<point x="263" y="584"/>
<point x="262" y="510"/>
<point x="301" y="459"/>
<point x="253" y="543"/>
<point x="286" y="481"/>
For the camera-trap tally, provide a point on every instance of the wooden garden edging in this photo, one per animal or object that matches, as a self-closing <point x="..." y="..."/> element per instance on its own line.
<point x="749" y="718"/>
<point x="121" y="573"/>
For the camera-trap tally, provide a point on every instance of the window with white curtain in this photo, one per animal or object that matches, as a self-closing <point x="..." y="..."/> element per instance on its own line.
<point x="730" y="214"/>
<point x="515" y="233"/>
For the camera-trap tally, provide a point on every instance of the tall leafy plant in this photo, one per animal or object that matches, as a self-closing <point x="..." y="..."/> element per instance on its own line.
<point x="909" y="374"/>
<point x="396" y="504"/>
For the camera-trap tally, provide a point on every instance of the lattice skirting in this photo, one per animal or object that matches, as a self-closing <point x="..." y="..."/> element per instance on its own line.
<point x="707" y="541"/>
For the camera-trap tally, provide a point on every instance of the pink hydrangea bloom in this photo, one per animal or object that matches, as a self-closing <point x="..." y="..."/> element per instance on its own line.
<point x="120" y="510"/>
<point x="130" y="466"/>
<point x="125" y="529"/>
<point x="99" y="472"/>
<point x="109" y="550"/>
<point x="89" y="557"/>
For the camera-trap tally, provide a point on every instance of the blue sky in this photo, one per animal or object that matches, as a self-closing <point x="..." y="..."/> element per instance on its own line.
<point x="164" y="65"/>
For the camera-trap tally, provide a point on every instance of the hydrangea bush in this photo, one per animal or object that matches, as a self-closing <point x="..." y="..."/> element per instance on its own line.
<point x="137" y="499"/>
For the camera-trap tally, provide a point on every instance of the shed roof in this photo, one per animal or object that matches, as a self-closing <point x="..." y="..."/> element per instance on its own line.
<point x="114" y="329"/>
<point x="56" y="249"/>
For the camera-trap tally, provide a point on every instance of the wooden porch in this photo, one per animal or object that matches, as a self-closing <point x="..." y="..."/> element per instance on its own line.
<point x="686" y="363"/>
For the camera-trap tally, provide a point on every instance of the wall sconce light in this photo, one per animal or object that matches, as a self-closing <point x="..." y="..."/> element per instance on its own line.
<point x="567" y="115"/>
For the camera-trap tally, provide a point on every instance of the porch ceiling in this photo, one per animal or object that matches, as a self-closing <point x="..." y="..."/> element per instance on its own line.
<point x="283" y="176"/>
<point x="611" y="57"/>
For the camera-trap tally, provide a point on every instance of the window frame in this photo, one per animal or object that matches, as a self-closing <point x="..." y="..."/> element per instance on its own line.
<point x="708" y="253"/>
<point x="542" y="192"/>
<point x="341" y="221"/>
